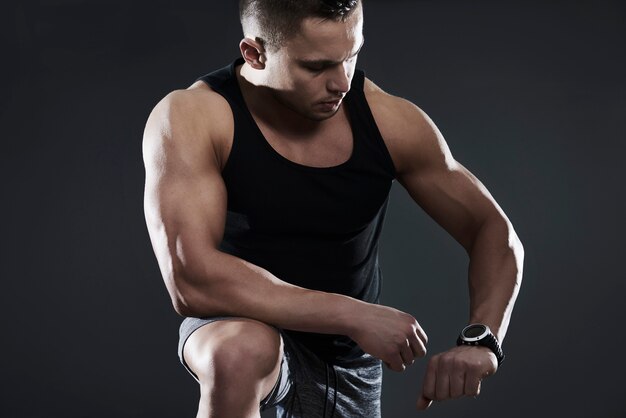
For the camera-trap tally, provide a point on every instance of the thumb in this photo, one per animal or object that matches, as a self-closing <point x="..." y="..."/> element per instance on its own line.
<point x="423" y="403"/>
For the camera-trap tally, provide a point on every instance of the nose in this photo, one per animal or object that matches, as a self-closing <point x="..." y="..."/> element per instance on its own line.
<point x="339" y="80"/>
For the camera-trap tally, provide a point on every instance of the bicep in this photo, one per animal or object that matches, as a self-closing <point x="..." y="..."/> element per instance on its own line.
<point x="185" y="196"/>
<point x="454" y="198"/>
<point x="443" y="187"/>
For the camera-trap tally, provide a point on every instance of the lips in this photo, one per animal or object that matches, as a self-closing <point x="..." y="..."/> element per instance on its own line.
<point x="332" y="102"/>
<point x="329" y="106"/>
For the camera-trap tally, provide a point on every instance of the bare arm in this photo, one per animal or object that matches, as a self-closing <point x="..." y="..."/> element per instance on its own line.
<point x="185" y="208"/>
<point x="461" y="204"/>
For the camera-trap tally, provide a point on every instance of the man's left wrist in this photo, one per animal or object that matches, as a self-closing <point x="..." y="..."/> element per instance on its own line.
<point x="480" y="335"/>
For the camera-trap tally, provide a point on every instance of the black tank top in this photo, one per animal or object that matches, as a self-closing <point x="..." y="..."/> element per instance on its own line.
<point x="315" y="227"/>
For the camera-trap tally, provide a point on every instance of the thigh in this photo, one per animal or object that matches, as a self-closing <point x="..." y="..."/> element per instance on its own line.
<point x="359" y="388"/>
<point x="320" y="389"/>
<point x="240" y="345"/>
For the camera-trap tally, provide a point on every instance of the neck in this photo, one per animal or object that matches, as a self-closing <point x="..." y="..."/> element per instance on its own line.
<point x="263" y="103"/>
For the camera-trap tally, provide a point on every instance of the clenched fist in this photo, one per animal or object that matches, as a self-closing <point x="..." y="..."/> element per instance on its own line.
<point x="393" y="336"/>
<point x="455" y="373"/>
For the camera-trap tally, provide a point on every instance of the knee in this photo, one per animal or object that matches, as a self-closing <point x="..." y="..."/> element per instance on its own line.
<point x="237" y="349"/>
<point x="251" y="352"/>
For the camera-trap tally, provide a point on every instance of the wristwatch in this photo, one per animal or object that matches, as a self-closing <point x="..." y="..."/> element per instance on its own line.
<point x="480" y="334"/>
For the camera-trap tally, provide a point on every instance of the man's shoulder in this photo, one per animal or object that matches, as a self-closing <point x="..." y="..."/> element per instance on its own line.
<point x="403" y="125"/>
<point x="195" y="118"/>
<point x="197" y="109"/>
<point x="392" y="113"/>
<point x="390" y="108"/>
<point x="198" y="102"/>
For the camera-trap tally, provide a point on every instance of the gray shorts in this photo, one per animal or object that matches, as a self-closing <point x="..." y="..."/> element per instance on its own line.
<point x="307" y="386"/>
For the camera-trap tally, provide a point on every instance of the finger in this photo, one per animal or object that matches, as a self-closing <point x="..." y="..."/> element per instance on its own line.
<point x="423" y="403"/>
<point x="406" y="353"/>
<point x="457" y="384"/>
<point x="472" y="384"/>
<point x="430" y="379"/>
<point x="420" y="333"/>
<point x="417" y="346"/>
<point x="442" y="387"/>
<point x="396" y="364"/>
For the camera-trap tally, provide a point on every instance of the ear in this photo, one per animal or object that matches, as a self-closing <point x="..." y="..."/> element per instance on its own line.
<point x="253" y="52"/>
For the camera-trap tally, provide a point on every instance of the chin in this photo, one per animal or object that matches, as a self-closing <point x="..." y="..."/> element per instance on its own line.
<point x="320" y="116"/>
<point x="311" y="112"/>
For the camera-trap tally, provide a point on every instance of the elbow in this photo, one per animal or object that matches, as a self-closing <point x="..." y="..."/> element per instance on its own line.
<point x="182" y="303"/>
<point x="503" y="232"/>
<point x="182" y="308"/>
<point x="515" y="244"/>
<point x="183" y="296"/>
<point x="194" y="288"/>
<point x="191" y="300"/>
<point x="517" y="249"/>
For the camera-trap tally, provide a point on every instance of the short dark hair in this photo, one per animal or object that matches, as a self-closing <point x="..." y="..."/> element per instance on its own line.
<point x="278" y="20"/>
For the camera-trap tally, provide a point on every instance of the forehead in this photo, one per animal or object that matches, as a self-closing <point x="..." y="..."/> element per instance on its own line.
<point x="320" y="39"/>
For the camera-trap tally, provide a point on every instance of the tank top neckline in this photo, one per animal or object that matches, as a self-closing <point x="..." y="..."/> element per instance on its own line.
<point x="271" y="149"/>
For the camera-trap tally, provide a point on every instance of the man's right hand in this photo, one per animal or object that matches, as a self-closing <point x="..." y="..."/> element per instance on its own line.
<point x="393" y="336"/>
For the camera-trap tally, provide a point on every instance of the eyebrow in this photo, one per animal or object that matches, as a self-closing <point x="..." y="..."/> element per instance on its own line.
<point x="328" y="63"/>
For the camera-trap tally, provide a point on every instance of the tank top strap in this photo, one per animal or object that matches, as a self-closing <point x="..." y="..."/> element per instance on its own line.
<point x="224" y="82"/>
<point x="364" y="124"/>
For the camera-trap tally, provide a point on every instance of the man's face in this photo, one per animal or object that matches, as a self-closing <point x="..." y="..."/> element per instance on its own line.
<point x="312" y="71"/>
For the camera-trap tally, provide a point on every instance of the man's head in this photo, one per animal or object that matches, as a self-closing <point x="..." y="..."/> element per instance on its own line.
<point x="271" y="22"/>
<point x="304" y="50"/>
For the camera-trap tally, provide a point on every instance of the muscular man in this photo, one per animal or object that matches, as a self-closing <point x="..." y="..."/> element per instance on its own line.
<point x="267" y="183"/>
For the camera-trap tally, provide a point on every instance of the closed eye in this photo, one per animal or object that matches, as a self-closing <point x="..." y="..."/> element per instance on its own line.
<point x="314" y="69"/>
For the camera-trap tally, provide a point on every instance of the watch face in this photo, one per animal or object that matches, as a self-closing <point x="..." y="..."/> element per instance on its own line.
<point x="475" y="332"/>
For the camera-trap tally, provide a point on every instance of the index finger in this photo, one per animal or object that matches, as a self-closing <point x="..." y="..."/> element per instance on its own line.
<point x="418" y="340"/>
<point x="429" y="384"/>
<point x="420" y="333"/>
<point x="417" y="346"/>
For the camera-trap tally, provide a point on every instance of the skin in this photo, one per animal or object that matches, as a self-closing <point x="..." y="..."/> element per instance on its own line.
<point x="187" y="140"/>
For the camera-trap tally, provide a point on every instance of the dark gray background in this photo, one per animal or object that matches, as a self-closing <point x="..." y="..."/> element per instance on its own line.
<point x="530" y="96"/>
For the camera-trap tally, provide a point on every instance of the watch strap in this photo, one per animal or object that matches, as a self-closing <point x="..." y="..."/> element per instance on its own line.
<point x="490" y="341"/>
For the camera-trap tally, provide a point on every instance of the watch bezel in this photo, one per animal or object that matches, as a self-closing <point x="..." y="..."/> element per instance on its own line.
<point x="482" y="336"/>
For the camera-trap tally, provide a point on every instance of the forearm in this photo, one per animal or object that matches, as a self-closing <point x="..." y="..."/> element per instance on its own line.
<point x="228" y="285"/>
<point x="495" y="275"/>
